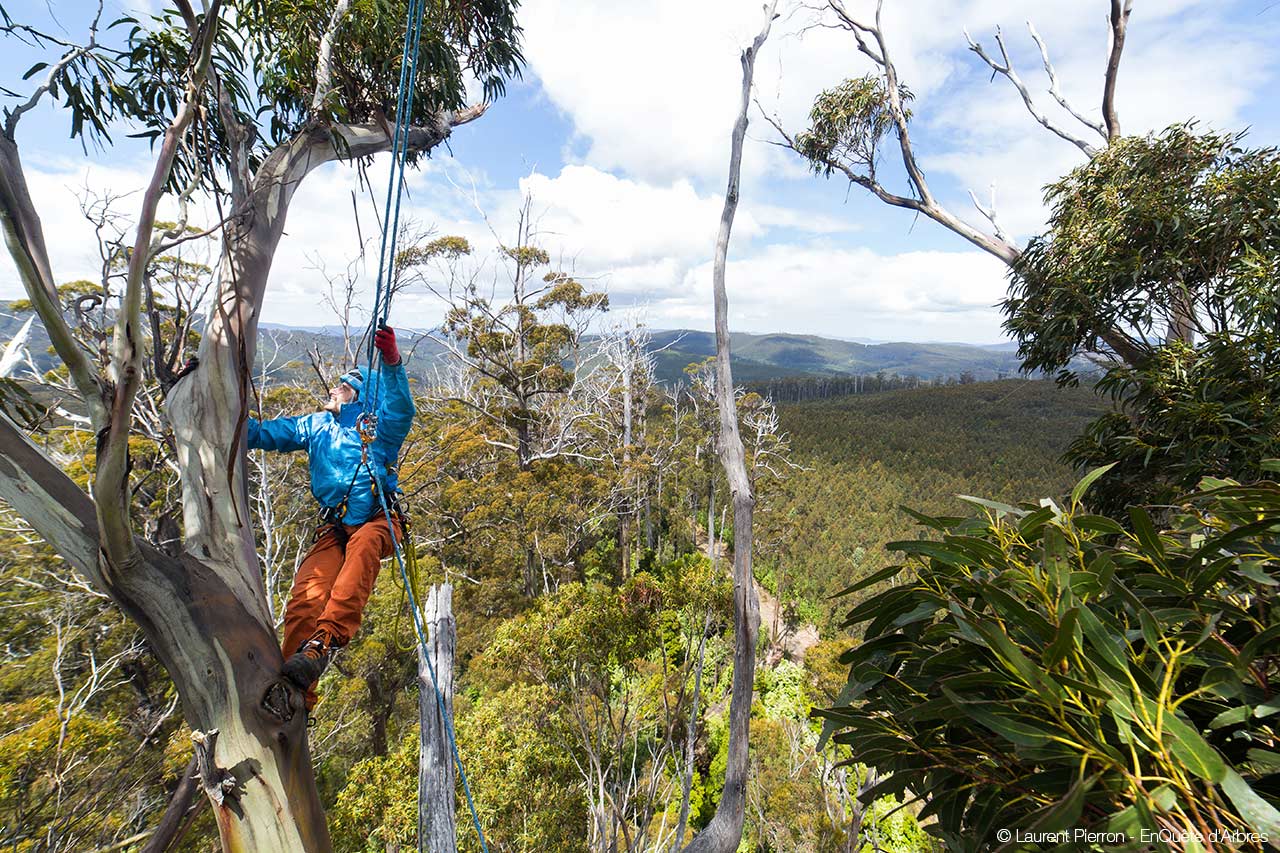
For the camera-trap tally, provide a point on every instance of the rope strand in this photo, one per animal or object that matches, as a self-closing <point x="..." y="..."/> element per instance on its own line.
<point x="381" y="311"/>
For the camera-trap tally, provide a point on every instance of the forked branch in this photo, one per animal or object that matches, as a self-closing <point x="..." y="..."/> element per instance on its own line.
<point x="1005" y="67"/>
<point x="112" y="472"/>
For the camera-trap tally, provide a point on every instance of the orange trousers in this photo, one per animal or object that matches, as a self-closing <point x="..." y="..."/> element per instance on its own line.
<point x="334" y="582"/>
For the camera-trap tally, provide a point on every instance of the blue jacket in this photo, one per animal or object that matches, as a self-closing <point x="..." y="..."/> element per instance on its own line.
<point x="332" y="444"/>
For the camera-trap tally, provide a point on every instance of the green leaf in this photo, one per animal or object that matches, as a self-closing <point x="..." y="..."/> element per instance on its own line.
<point x="1065" y="813"/>
<point x="1230" y="717"/>
<point x="1108" y="645"/>
<point x="871" y="580"/>
<point x="1264" y="640"/>
<point x="1257" y="813"/>
<point x="1088" y="480"/>
<point x="1064" y="642"/>
<point x="1000" y="508"/>
<point x="1252" y="569"/>
<point x="1266" y="709"/>
<point x="1145" y="531"/>
<point x="1097" y="524"/>
<point x="1265" y="757"/>
<point x="1012" y="729"/>
<point x="937" y="523"/>
<point x="1057" y="566"/>
<point x="1193" y="750"/>
<point x="930" y="549"/>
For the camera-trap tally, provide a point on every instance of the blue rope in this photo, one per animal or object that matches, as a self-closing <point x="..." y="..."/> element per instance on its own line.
<point x="381" y="310"/>
<point x="395" y="186"/>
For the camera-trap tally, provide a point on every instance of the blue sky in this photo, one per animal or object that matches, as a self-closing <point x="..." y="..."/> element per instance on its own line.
<point x="619" y="133"/>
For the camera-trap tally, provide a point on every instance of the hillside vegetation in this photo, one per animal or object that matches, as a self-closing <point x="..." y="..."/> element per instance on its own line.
<point x="865" y="456"/>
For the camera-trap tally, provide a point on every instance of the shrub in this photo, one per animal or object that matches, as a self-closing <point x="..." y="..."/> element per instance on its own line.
<point x="1040" y="669"/>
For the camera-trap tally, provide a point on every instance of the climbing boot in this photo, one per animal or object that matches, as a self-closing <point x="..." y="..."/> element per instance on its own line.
<point x="305" y="666"/>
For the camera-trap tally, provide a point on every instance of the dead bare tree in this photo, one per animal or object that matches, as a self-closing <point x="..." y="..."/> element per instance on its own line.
<point x="724" y="832"/>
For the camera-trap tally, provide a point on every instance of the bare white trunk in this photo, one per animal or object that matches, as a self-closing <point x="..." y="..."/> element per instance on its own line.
<point x="724" y="832"/>
<point x="437" y="832"/>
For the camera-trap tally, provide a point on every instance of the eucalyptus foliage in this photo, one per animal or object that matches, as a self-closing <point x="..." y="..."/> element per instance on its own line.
<point x="1171" y="233"/>
<point x="1188" y="412"/>
<point x="846" y="125"/>
<point x="265" y="61"/>
<point x="1041" y="669"/>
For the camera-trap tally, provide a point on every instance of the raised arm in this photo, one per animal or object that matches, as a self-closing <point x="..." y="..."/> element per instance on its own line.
<point x="396" y="409"/>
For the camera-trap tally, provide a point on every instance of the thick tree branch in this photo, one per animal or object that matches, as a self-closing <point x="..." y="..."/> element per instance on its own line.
<point x="39" y="491"/>
<point x="24" y="237"/>
<point x="724" y="833"/>
<point x="894" y="90"/>
<point x="996" y="245"/>
<point x="1006" y="68"/>
<point x="1120" y="10"/>
<point x="324" y="57"/>
<point x="111" y="477"/>
<point x="209" y="408"/>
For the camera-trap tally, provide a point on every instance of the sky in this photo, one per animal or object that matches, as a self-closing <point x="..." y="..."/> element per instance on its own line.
<point x="617" y="136"/>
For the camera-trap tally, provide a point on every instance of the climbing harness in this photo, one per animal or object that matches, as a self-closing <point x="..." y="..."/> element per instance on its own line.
<point x="367" y="425"/>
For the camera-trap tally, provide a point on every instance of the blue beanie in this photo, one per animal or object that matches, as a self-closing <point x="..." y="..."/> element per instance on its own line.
<point x="354" y="378"/>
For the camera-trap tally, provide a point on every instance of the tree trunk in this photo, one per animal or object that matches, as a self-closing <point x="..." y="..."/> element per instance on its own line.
<point x="436" y="830"/>
<point x="223" y="660"/>
<point x="724" y="832"/>
<point x="205" y="610"/>
<point x="691" y="736"/>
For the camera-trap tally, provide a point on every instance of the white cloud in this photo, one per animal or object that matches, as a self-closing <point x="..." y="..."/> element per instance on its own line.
<point x="1172" y="71"/>
<point x="843" y="292"/>
<point x="651" y="90"/>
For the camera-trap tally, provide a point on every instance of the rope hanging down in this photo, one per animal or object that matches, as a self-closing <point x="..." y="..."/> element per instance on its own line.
<point x="381" y="309"/>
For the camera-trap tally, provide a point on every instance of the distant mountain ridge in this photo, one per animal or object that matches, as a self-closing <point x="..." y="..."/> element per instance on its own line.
<point x="771" y="356"/>
<point x="756" y="358"/>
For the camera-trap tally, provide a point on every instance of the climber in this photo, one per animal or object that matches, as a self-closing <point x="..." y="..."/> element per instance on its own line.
<point x="336" y="577"/>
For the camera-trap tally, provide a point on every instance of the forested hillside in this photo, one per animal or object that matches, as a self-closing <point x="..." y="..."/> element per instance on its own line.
<point x="594" y="642"/>
<point x="288" y="353"/>
<point x="861" y="458"/>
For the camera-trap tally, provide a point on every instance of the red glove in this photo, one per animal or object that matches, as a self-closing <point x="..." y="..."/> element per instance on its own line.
<point x="384" y="340"/>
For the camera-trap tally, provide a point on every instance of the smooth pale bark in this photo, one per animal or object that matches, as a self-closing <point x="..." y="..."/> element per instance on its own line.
<point x="724" y="832"/>
<point x="437" y="832"/>
<point x="224" y="662"/>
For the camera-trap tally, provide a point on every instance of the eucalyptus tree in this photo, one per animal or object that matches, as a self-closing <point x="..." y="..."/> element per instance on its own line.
<point x="522" y="374"/>
<point x="242" y="100"/>
<point x="850" y="122"/>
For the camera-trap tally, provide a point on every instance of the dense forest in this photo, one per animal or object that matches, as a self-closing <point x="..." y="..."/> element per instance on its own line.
<point x="1030" y="613"/>
<point x="595" y="671"/>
